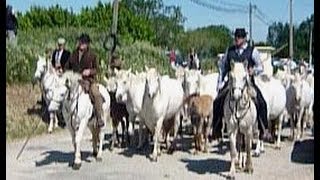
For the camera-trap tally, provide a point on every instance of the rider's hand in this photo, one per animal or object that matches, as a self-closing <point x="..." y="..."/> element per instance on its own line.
<point x="86" y="72"/>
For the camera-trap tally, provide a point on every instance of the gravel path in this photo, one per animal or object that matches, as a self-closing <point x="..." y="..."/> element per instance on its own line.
<point x="49" y="156"/>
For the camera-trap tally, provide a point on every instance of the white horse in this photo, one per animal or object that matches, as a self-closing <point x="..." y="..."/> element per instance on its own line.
<point x="274" y="94"/>
<point x="240" y="114"/>
<point x="130" y="90"/>
<point x="304" y="96"/>
<point x="77" y="111"/>
<point x="162" y="101"/>
<point x="48" y="79"/>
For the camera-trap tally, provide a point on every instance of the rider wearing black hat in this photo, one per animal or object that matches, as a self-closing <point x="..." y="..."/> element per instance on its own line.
<point x="240" y="52"/>
<point x="84" y="61"/>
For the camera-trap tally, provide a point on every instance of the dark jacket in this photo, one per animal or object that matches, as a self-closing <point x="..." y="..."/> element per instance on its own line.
<point x="88" y="61"/>
<point x="64" y="58"/>
<point x="233" y="55"/>
<point x="11" y="22"/>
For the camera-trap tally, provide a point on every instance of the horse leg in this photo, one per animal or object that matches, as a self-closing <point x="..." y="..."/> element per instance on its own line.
<point x="258" y="148"/>
<point x="123" y="131"/>
<point x="194" y="128"/>
<point x="156" y="136"/>
<point x="52" y="117"/>
<point x="79" y="134"/>
<point x="94" y="141"/>
<point x="280" y="120"/>
<point x="126" y="120"/>
<point x="248" y="139"/>
<point x="131" y="125"/>
<point x="233" y="153"/>
<point x="207" y="132"/>
<point x="100" y="138"/>
<point x="175" y="133"/>
<point x="299" y="123"/>
<point x="291" y="118"/>
<point x="140" y="135"/>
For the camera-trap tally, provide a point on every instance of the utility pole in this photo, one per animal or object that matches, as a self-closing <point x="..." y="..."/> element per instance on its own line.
<point x="310" y="45"/>
<point x="250" y="22"/>
<point x="291" y="36"/>
<point x="114" y="61"/>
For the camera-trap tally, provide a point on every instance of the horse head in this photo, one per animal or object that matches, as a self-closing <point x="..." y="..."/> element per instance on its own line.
<point x="238" y="78"/>
<point x="153" y="79"/>
<point x="41" y="67"/>
<point x="122" y="84"/>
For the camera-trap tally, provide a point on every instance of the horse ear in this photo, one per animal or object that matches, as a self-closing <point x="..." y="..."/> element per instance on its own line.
<point x="146" y="68"/>
<point x="105" y="79"/>
<point x="129" y="70"/>
<point x="116" y="71"/>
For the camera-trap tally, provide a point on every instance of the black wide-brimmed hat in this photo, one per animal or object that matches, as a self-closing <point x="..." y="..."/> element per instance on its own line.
<point x="240" y="32"/>
<point x="84" y="38"/>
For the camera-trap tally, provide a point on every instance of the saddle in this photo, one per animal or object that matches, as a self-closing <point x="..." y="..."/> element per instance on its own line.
<point x="85" y="84"/>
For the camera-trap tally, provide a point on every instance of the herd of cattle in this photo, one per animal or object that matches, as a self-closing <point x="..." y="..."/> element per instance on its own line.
<point x="164" y="104"/>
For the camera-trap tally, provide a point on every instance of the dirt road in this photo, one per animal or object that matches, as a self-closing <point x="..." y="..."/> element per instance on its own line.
<point x="49" y="156"/>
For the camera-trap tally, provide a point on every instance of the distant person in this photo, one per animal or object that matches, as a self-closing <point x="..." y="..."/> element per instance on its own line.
<point x="11" y="24"/>
<point x="193" y="61"/>
<point x="173" y="58"/>
<point x="60" y="56"/>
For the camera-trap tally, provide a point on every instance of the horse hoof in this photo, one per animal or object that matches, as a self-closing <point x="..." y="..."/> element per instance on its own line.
<point x="95" y="154"/>
<point x="278" y="147"/>
<point x="99" y="159"/>
<point x="76" y="166"/>
<point x="195" y="152"/>
<point x="153" y="158"/>
<point x="231" y="177"/>
<point x="256" y="154"/>
<point x="249" y="170"/>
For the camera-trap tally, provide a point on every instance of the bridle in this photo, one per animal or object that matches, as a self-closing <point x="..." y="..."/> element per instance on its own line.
<point x="237" y="105"/>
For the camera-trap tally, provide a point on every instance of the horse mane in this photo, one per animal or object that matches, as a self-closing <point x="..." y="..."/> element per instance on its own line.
<point x="73" y="77"/>
<point x="191" y="96"/>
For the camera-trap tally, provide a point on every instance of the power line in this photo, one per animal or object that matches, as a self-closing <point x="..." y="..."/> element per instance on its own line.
<point x="219" y="8"/>
<point x="262" y="19"/>
<point x="263" y="15"/>
<point x="231" y="4"/>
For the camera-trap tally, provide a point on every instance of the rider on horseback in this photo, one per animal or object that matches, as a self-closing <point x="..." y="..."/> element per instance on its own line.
<point x="240" y="52"/>
<point x="84" y="61"/>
